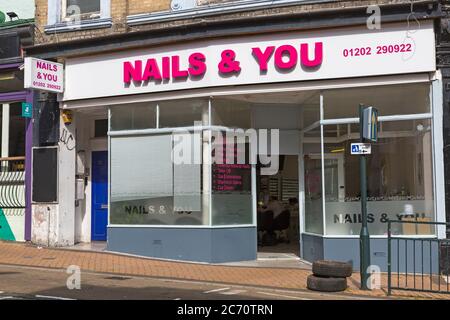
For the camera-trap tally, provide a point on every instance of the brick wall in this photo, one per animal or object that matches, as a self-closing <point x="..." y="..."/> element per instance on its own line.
<point x="119" y="12"/>
<point x="144" y="6"/>
<point x="120" y="9"/>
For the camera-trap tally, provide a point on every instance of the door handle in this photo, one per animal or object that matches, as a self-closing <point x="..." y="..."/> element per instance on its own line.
<point x="104" y="206"/>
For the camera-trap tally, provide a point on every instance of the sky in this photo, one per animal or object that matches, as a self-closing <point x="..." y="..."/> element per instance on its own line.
<point x="23" y="8"/>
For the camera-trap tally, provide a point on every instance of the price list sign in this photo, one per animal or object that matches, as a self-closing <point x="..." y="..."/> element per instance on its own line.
<point x="232" y="174"/>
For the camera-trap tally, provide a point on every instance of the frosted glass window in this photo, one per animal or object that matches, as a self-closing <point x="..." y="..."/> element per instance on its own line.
<point x="399" y="176"/>
<point x="147" y="188"/>
<point x="136" y="170"/>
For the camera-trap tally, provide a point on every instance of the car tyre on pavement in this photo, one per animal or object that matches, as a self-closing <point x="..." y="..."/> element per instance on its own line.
<point x="324" y="284"/>
<point x="328" y="268"/>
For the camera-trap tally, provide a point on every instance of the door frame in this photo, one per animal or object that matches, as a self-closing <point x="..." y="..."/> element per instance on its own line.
<point x="301" y="181"/>
<point x="92" y="191"/>
<point x="300" y="185"/>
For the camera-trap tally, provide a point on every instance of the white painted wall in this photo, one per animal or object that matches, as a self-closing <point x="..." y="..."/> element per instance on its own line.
<point x="66" y="184"/>
<point x="54" y="224"/>
<point x="80" y="205"/>
<point x="44" y="224"/>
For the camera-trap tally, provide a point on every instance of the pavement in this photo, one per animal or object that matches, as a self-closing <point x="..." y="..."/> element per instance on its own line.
<point x="31" y="283"/>
<point x="291" y="281"/>
<point x="266" y="258"/>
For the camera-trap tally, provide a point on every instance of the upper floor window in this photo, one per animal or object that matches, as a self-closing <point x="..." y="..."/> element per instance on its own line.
<point x="70" y="15"/>
<point x="80" y="9"/>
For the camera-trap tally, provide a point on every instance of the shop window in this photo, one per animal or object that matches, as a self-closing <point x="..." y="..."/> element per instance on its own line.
<point x="312" y="164"/>
<point x="310" y="112"/>
<point x="101" y="128"/>
<point x="133" y="116"/>
<point x="16" y="131"/>
<point x="182" y="113"/>
<point x="389" y="100"/>
<point x="225" y="111"/>
<point x="150" y="187"/>
<point x="232" y="202"/>
<point x="399" y="177"/>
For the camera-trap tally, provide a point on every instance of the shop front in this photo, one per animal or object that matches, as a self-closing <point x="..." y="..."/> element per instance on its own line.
<point x="15" y="144"/>
<point x="157" y="173"/>
<point x="15" y="136"/>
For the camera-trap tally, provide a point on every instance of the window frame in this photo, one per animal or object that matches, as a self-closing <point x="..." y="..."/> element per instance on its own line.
<point x="57" y="20"/>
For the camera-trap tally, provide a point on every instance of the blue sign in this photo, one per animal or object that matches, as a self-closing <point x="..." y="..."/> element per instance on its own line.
<point x="27" y="110"/>
<point x="361" y="148"/>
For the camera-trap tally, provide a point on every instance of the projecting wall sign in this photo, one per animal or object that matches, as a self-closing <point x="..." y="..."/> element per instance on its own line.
<point x="44" y="75"/>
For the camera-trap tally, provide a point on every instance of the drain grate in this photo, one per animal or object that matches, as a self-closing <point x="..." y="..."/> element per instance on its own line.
<point x="118" y="278"/>
<point x="9" y="272"/>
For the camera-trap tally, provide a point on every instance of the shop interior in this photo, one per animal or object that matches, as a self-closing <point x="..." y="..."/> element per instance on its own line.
<point x="278" y="208"/>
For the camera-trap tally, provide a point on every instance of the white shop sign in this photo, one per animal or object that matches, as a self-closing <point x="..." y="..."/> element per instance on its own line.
<point x="268" y="58"/>
<point x="43" y="75"/>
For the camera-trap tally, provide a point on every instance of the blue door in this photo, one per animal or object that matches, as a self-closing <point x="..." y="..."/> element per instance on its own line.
<point x="99" y="195"/>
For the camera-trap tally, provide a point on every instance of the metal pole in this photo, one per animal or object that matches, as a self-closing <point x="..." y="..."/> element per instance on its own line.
<point x="364" y="238"/>
<point x="389" y="259"/>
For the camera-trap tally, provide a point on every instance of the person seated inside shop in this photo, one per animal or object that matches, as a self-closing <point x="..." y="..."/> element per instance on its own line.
<point x="273" y="220"/>
<point x="293" y="205"/>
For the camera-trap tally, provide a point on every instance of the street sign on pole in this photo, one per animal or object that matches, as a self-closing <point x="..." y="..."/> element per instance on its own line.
<point x="361" y="148"/>
<point x="368" y="123"/>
